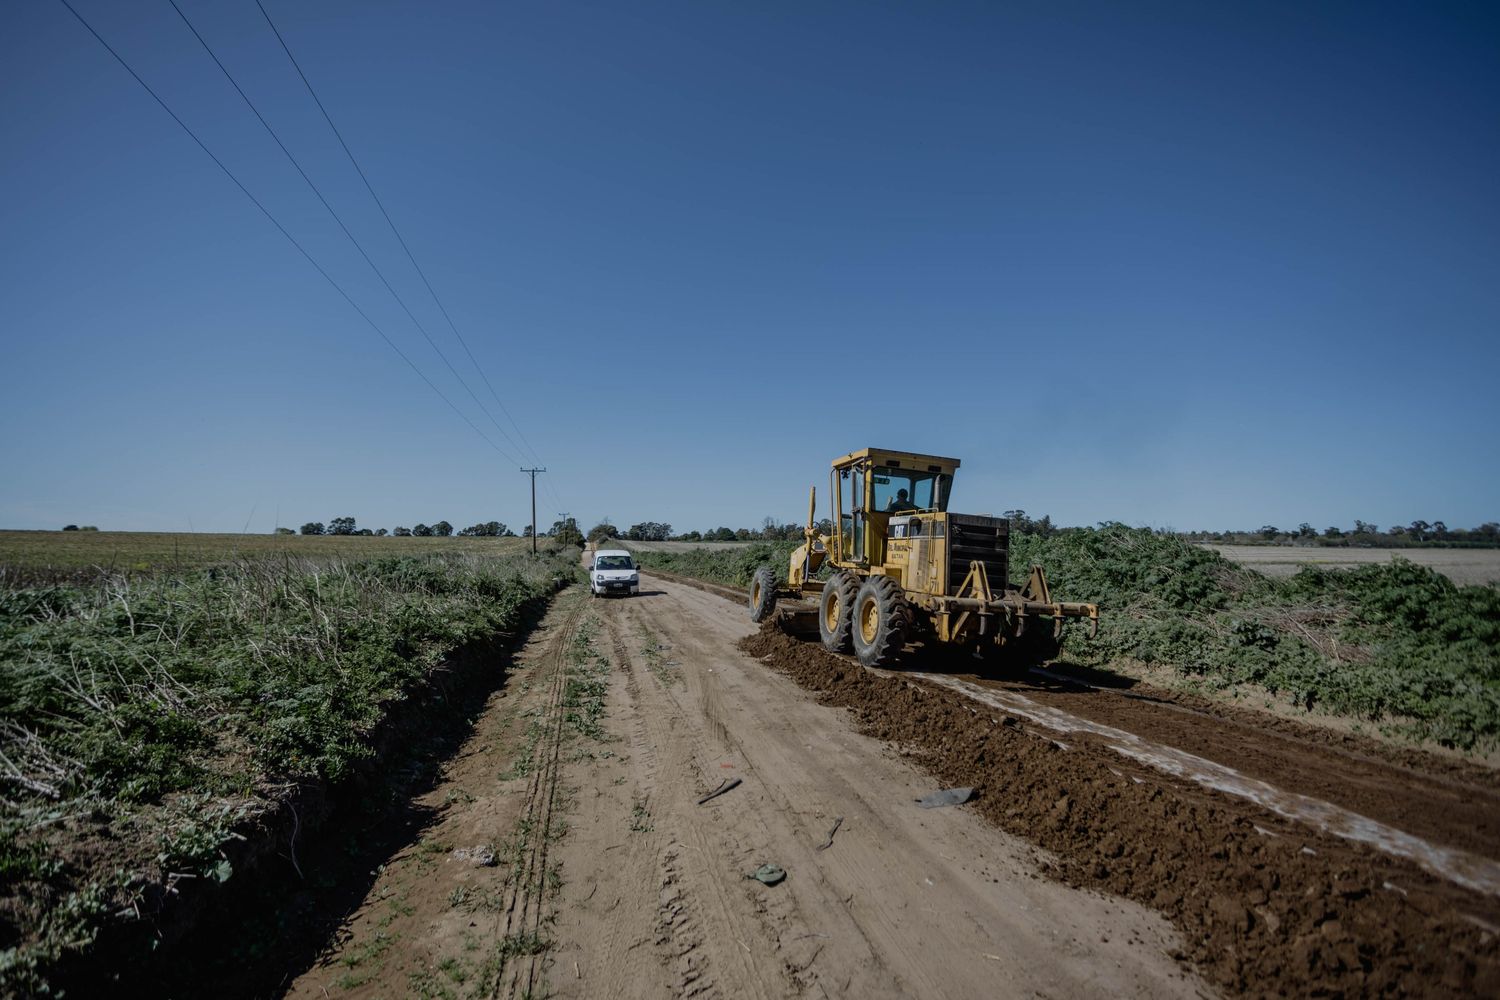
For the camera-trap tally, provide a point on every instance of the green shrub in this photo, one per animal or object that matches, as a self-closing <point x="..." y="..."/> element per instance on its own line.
<point x="1391" y="641"/>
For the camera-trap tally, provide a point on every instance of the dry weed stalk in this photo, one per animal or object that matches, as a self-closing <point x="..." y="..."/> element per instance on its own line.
<point x="30" y="763"/>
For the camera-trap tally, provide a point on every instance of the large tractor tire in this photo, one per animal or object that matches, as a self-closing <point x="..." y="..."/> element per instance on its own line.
<point x="836" y="612"/>
<point x="762" y="594"/>
<point x="882" y="619"/>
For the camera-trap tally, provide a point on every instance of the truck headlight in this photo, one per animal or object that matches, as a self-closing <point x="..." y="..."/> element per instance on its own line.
<point x="599" y="578"/>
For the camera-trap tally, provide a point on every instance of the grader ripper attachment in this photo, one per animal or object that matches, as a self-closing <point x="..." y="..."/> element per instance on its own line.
<point x="906" y="567"/>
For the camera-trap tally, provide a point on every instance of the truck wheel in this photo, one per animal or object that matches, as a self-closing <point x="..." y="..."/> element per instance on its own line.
<point x="882" y="619"/>
<point x="762" y="594"/>
<point x="836" y="612"/>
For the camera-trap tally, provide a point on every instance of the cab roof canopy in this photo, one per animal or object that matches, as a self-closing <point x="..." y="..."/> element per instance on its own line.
<point x="898" y="460"/>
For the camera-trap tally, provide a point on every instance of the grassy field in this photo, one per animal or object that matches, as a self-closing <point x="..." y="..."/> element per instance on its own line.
<point x="148" y="718"/>
<point x="1392" y="643"/>
<point x="1466" y="567"/>
<point x="56" y="556"/>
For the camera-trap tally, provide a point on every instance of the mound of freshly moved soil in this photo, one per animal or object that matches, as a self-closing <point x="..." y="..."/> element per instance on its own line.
<point x="1264" y="906"/>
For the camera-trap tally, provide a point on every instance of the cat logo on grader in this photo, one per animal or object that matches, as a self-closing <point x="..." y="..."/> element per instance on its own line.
<point x="907" y="568"/>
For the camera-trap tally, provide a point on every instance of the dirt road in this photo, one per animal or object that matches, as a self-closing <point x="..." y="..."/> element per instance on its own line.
<point x="610" y="879"/>
<point x="571" y="855"/>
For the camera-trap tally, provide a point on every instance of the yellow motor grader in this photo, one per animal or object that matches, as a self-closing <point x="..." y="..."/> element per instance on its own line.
<point x="907" y="568"/>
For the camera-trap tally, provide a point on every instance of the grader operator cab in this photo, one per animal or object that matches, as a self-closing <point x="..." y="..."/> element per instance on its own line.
<point x="905" y="567"/>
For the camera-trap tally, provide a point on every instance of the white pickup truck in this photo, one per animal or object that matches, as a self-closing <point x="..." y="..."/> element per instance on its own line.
<point x="612" y="571"/>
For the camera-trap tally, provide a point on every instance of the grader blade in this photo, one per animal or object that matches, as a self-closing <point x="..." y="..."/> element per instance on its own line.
<point x="800" y="622"/>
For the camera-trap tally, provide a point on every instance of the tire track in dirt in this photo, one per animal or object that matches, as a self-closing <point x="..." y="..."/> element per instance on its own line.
<point x="692" y="698"/>
<point x="711" y="931"/>
<point x="518" y="933"/>
<point x="695" y="910"/>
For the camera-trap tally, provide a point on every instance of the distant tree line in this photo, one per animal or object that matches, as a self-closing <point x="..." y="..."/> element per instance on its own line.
<point x="441" y="529"/>
<point x="1362" y="534"/>
<point x="1417" y="534"/>
<point x="338" y="526"/>
<point x="567" y="531"/>
<point x="489" y="529"/>
<point x="74" y="527"/>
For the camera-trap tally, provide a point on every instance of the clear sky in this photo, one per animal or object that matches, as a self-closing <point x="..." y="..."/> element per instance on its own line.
<point x="1185" y="265"/>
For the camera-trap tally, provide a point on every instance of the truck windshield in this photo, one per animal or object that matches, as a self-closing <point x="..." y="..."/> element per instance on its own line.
<point x="906" y="489"/>
<point x="613" y="562"/>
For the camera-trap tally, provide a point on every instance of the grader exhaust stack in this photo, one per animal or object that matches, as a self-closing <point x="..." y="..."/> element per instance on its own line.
<point x="905" y="566"/>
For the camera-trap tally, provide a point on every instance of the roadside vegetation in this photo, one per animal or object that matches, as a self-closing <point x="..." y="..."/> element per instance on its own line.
<point x="147" y="722"/>
<point x="1395" y="644"/>
<point x="1392" y="643"/>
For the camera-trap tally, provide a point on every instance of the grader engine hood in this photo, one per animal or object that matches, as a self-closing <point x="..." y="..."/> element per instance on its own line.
<point x="977" y="537"/>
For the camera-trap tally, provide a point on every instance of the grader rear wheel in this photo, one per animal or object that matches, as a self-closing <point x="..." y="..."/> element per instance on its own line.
<point x="762" y="594"/>
<point x="882" y="618"/>
<point x="836" y="612"/>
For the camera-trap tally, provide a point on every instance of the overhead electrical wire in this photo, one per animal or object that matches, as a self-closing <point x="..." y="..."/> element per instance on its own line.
<point x="406" y="248"/>
<point x="279" y="227"/>
<point x="338" y="219"/>
<point x="555" y="498"/>
<point x="397" y="232"/>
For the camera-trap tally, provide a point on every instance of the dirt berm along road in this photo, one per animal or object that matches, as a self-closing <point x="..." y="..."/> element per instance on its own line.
<point x="1120" y="842"/>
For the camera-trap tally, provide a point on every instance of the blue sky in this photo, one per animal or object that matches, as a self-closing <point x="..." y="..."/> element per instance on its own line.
<point x="1184" y="265"/>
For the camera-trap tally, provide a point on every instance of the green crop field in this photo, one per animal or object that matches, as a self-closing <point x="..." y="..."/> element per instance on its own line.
<point x="56" y="556"/>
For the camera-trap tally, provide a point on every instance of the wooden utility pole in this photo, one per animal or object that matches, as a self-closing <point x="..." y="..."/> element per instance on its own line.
<point x="532" y="473"/>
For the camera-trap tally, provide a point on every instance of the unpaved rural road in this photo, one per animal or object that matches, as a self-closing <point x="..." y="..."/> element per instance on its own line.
<point x="1083" y="869"/>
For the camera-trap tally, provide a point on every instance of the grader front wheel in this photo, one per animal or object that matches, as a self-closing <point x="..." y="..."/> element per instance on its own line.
<point x="836" y="612"/>
<point x="882" y="619"/>
<point x="762" y="594"/>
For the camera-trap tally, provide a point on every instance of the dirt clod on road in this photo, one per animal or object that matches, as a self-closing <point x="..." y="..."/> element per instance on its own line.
<point x="1264" y="905"/>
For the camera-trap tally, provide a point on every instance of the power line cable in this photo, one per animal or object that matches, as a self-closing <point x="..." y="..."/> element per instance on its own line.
<point x="279" y="227"/>
<point x="399" y="238"/>
<point x="338" y="219"/>
<point x="556" y="499"/>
